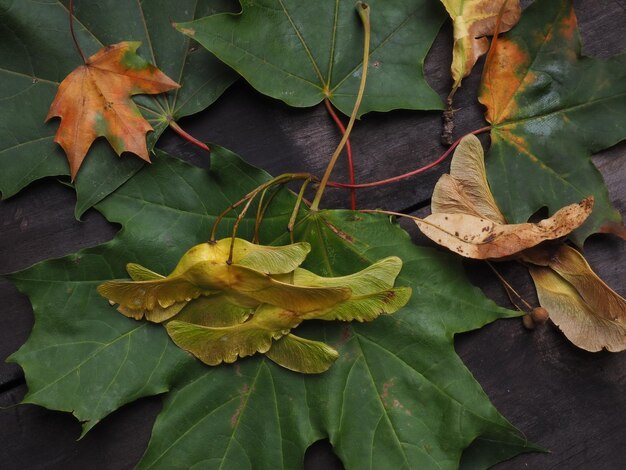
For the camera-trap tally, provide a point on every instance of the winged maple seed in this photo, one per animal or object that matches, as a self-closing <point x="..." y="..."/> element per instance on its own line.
<point x="95" y="101"/>
<point x="466" y="219"/>
<point x="231" y="299"/>
<point x="589" y="312"/>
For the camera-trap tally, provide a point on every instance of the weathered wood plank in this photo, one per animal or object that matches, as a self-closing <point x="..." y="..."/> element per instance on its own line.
<point x="565" y="399"/>
<point x="35" y="438"/>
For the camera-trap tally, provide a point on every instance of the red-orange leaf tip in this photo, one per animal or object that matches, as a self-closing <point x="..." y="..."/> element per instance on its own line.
<point x="95" y="101"/>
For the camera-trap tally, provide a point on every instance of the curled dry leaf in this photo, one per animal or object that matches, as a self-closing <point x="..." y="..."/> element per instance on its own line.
<point x="472" y="21"/>
<point x="467" y="220"/>
<point x="589" y="312"/>
<point x="222" y="303"/>
<point x="95" y="101"/>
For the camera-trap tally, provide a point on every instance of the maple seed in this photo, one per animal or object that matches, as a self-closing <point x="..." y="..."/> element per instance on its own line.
<point x="466" y="219"/>
<point x="539" y="315"/>
<point x="528" y="322"/>
<point x="232" y="298"/>
<point x="95" y="101"/>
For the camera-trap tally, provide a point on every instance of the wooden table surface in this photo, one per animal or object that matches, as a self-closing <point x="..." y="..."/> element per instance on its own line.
<point x="563" y="398"/>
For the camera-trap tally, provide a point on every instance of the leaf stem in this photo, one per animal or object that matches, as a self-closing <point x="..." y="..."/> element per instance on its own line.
<point x="364" y="13"/>
<point x="410" y="173"/>
<point x="261" y="213"/>
<point x="397" y="214"/>
<point x="296" y="208"/>
<point x="342" y="129"/>
<point x="408" y="216"/>
<point x="80" y="51"/>
<point x="510" y="290"/>
<point x="188" y="137"/>
<point x="280" y="179"/>
<point x="236" y="227"/>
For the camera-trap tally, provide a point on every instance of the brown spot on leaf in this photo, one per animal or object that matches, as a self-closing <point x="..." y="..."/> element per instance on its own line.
<point x="385" y="395"/>
<point x="346" y="334"/>
<point x="242" y="400"/>
<point x="340" y="233"/>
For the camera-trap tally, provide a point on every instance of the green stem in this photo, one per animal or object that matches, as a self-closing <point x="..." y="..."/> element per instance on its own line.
<point x="296" y="209"/>
<point x="261" y="213"/>
<point x="364" y="14"/>
<point x="280" y="179"/>
<point x="510" y="290"/>
<point x="235" y="228"/>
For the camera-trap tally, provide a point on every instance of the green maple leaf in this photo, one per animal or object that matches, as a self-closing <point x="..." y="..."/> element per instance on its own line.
<point x="36" y="53"/>
<point x="302" y="52"/>
<point x="397" y="397"/>
<point x="550" y="109"/>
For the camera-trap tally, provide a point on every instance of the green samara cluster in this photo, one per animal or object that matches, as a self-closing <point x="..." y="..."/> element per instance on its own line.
<point x="223" y="302"/>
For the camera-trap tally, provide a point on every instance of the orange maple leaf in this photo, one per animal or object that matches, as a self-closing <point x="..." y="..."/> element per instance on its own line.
<point x="95" y="101"/>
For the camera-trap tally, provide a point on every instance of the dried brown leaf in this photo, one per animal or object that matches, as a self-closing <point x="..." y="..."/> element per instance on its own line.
<point x="472" y="21"/>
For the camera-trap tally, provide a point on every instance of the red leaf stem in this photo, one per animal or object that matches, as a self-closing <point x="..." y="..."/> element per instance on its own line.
<point x="188" y="137"/>
<point x="410" y="173"/>
<point x="342" y="128"/>
<point x="80" y="51"/>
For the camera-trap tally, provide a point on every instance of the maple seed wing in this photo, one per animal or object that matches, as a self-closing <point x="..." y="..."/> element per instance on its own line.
<point x="147" y="295"/>
<point x="466" y="190"/>
<point x="214" y="345"/>
<point x="270" y="259"/>
<point x="266" y="259"/>
<point x="378" y="276"/>
<point x="573" y="268"/>
<point x="302" y="355"/>
<point x="156" y="315"/>
<point x="479" y="238"/>
<point x="139" y="273"/>
<point x="214" y="310"/>
<point x="365" y="307"/>
<point x="582" y="325"/>
<point x="251" y="284"/>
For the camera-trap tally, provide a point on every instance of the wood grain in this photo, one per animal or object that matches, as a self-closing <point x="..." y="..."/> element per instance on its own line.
<point x="565" y="399"/>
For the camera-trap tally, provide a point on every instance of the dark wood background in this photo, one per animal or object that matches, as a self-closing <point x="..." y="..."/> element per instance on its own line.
<point x="563" y="398"/>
